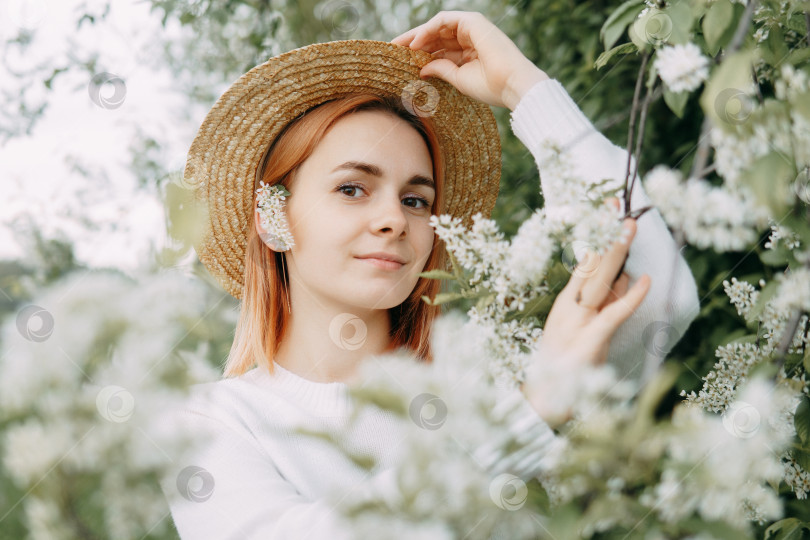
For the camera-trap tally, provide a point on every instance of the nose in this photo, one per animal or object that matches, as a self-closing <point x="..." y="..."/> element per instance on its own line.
<point x="389" y="218"/>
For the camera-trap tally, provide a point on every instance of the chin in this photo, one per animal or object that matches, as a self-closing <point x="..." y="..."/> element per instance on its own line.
<point x="385" y="300"/>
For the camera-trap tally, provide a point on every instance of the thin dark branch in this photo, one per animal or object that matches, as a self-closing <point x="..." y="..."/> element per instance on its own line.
<point x="640" y="138"/>
<point x="707" y="170"/>
<point x="787" y="337"/>
<point x="742" y="27"/>
<point x="702" y="153"/>
<point x="630" y="131"/>
<point x="635" y="214"/>
<point x="760" y="98"/>
<point x="807" y="26"/>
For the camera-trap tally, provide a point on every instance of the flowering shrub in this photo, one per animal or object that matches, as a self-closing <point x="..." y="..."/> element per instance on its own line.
<point x="726" y="461"/>
<point x="84" y="380"/>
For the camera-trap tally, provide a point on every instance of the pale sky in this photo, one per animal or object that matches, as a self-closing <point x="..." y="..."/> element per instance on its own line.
<point x="111" y="222"/>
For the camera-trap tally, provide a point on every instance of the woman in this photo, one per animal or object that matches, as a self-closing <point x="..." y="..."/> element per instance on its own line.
<point x="364" y="175"/>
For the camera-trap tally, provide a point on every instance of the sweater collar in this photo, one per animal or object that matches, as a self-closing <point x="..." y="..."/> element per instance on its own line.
<point x="323" y="399"/>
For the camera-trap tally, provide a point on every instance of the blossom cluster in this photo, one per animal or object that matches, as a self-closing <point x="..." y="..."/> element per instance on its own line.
<point x="720" y="467"/>
<point x="82" y="399"/>
<point x="464" y="475"/>
<point x="270" y="206"/>
<point x="709" y="216"/>
<point x="682" y="67"/>
<point x="511" y="275"/>
<point x="721" y="386"/>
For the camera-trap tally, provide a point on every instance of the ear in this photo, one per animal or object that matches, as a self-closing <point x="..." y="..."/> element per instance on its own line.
<point x="260" y="230"/>
<point x="258" y="220"/>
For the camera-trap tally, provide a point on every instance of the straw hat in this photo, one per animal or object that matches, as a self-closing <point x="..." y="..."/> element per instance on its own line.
<point x="224" y="157"/>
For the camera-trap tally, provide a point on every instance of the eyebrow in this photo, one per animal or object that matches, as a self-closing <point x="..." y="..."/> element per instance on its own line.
<point x="374" y="170"/>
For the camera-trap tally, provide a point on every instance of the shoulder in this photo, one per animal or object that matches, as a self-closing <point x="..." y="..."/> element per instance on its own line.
<point x="240" y="403"/>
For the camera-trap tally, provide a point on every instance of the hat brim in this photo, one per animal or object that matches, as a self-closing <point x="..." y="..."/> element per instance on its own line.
<point x="226" y="151"/>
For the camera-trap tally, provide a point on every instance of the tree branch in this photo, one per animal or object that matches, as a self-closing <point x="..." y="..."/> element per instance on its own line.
<point x="631" y="128"/>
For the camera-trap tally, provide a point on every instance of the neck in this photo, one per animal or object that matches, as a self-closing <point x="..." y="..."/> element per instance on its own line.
<point x="327" y="343"/>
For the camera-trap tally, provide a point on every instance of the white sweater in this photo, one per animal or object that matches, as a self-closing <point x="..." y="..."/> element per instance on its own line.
<point x="258" y="479"/>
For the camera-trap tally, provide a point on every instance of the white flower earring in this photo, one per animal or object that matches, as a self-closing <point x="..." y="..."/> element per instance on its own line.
<point x="270" y="201"/>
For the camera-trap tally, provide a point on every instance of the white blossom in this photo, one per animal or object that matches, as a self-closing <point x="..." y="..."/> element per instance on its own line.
<point x="780" y="233"/>
<point x="94" y="394"/>
<point x="731" y="371"/>
<point x="682" y="67"/>
<point x="796" y="477"/>
<point x="709" y="217"/>
<point x="720" y="467"/>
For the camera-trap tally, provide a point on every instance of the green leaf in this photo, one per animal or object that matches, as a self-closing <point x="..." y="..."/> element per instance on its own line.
<point x="719" y="530"/>
<point x="801" y="455"/>
<point x="618" y="20"/>
<point x="786" y="529"/>
<point x="724" y="88"/>
<point x="718" y="19"/>
<point x="806" y="361"/>
<point x="801" y="420"/>
<point x="437" y="274"/>
<point x="654" y="391"/>
<point x="682" y="21"/>
<point x="778" y="256"/>
<point x="676" y="101"/>
<point x="671" y="25"/>
<point x="624" y="48"/>
<point x="776" y="45"/>
<point x="770" y="178"/>
<point x="443" y="298"/>
<point x="747" y="338"/>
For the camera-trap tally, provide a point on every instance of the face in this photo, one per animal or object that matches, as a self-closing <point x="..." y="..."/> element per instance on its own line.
<point x="366" y="189"/>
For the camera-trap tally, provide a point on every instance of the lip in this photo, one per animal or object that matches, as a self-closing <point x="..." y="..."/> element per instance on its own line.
<point x="386" y="261"/>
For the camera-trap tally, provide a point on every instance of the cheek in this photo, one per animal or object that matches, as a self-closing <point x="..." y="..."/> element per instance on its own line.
<point x="424" y="235"/>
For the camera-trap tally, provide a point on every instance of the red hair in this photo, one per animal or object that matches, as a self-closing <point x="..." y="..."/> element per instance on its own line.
<point x="263" y="317"/>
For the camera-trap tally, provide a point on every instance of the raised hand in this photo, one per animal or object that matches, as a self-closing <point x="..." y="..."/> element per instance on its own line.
<point x="475" y="56"/>
<point x="582" y="321"/>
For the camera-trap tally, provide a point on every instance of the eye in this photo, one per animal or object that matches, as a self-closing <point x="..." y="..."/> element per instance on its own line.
<point x="422" y="200"/>
<point x="350" y="187"/>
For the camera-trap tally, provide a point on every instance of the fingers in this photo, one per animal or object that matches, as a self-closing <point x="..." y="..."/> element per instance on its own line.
<point x="445" y="30"/>
<point x="613" y="315"/>
<point x="406" y="38"/>
<point x="619" y="289"/>
<point x="599" y="283"/>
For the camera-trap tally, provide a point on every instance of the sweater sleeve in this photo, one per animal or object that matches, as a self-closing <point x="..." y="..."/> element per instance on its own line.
<point x="536" y="445"/>
<point x="547" y="112"/>
<point x="228" y="488"/>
